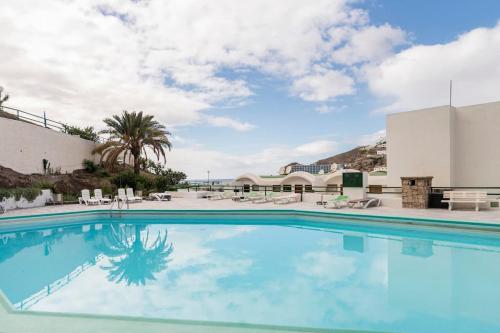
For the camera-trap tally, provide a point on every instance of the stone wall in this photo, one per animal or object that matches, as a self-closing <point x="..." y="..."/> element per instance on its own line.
<point x="415" y="191"/>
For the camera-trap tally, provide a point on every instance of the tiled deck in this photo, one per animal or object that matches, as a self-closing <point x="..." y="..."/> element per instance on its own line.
<point x="487" y="216"/>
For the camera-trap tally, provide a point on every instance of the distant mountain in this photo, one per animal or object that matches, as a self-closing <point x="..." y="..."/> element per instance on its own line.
<point x="363" y="158"/>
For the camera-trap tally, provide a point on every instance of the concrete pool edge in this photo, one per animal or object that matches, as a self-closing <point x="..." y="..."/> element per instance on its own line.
<point x="18" y="321"/>
<point x="23" y="220"/>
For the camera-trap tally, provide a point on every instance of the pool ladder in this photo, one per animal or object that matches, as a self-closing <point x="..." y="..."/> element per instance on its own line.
<point x="120" y="206"/>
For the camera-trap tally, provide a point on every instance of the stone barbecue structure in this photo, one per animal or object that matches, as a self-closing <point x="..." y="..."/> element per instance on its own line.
<point x="415" y="191"/>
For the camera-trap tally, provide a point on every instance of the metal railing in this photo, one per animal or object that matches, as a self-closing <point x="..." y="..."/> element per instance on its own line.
<point x="33" y="118"/>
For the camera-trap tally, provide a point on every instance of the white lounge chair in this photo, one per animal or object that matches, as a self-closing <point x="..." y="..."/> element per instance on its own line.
<point x="338" y="201"/>
<point x="221" y="196"/>
<point x="131" y="196"/>
<point x="268" y="197"/>
<point x="160" y="196"/>
<point x="364" y="203"/>
<point x="122" y="196"/>
<point x="86" y="199"/>
<point x="286" y="199"/>
<point x="98" y="196"/>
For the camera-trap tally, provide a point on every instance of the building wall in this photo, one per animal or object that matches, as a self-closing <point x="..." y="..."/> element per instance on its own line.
<point x="458" y="146"/>
<point x="477" y="158"/>
<point x="23" y="146"/>
<point x="419" y="144"/>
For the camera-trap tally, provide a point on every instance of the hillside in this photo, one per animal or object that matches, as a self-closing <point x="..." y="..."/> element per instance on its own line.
<point x="362" y="158"/>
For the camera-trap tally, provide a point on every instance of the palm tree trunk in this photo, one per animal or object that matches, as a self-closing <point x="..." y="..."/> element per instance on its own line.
<point x="137" y="164"/>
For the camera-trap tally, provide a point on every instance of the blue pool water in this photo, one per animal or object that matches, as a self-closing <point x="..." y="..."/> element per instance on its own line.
<point x="292" y="271"/>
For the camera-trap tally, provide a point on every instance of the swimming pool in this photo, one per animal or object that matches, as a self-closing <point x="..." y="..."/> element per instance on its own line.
<point x="287" y="269"/>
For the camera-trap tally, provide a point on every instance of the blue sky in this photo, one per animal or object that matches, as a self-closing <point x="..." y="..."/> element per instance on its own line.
<point x="249" y="86"/>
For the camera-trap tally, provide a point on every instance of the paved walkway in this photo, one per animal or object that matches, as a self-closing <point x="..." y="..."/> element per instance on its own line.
<point x="487" y="216"/>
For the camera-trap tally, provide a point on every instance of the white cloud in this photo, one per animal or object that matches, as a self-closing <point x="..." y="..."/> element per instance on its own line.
<point x="419" y="77"/>
<point x="324" y="109"/>
<point x="82" y="60"/>
<point x="323" y="86"/>
<point x="372" y="138"/>
<point x="195" y="161"/>
<point x="316" y="147"/>
<point x="230" y="123"/>
<point x="369" y="43"/>
<point x="326" y="267"/>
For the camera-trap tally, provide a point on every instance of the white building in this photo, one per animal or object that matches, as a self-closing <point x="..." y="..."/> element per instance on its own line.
<point x="332" y="180"/>
<point x="458" y="146"/>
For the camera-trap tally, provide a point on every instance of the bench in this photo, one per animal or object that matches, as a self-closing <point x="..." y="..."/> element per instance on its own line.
<point x="467" y="197"/>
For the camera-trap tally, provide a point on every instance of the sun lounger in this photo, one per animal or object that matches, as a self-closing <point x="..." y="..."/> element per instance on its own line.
<point x="364" y="203"/>
<point x="339" y="201"/>
<point x="160" y="196"/>
<point x="122" y="196"/>
<point x="131" y="196"/>
<point x="221" y="196"/>
<point x="264" y="198"/>
<point x="214" y="194"/>
<point x="86" y="199"/>
<point x="252" y="196"/>
<point x="98" y="196"/>
<point x="201" y="194"/>
<point x="286" y="199"/>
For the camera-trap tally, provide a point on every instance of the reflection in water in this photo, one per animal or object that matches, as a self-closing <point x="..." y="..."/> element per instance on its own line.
<point x="355" y="277"/>
<point x="417" y="247"/>
<point x="137" y="260"/>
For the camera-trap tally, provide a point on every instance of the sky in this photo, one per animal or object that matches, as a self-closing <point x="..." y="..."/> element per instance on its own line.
<point x="249" y="86"/>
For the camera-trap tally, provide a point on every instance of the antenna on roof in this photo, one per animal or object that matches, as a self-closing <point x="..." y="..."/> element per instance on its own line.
<point x="451" y="90"/>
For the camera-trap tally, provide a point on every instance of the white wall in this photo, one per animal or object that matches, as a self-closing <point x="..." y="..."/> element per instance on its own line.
<point x="23" y="146"/>
<point x="458" y="146"/>
<point x="419" y="144"/>
<point x="477" y="145"/>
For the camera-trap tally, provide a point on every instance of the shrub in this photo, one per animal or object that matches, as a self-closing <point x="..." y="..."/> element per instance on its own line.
<point x="125" y="179"/>
<point x="29" y="193"/>
<point x="89" y="166"/>
<point x="101" y="172"/>
<point x="87" y="133"/>
<point x="107" y="189"/>
<point x="43" y="184"/>
<point x="145" y="183"/>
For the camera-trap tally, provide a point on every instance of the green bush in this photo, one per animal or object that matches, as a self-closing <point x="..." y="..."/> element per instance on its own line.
<point x="145" y="183"/>
<point x="46" y="185"/>
<point x="101" y="172"/>
<point x="106" y="189"/>
<point x="125" y="179"/>
<point x="87" y="133"/>
<point x="90" y="166"/>
<point x="29" y="193"/>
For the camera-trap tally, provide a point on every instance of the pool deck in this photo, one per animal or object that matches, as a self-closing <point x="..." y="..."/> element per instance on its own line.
<point x="490" y="216"/>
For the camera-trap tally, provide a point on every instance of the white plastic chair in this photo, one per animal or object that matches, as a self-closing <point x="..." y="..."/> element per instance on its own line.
<point x="86" y="199"/>
<point x="98" y="196"/>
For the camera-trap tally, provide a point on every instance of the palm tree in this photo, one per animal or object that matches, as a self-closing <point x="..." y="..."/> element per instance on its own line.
<point x="130" y="135"/>
<point x="138" y="261"/>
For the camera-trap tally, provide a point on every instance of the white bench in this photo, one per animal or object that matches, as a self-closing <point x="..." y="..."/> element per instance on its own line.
<point x="467" y="197"/>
